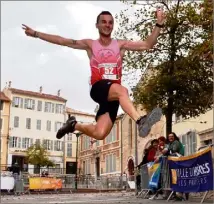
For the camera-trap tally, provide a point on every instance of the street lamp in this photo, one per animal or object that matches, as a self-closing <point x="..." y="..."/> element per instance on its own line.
<point x="77" y="135"/>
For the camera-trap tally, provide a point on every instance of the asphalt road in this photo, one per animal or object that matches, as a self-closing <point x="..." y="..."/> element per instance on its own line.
<point x="95" y="198"/>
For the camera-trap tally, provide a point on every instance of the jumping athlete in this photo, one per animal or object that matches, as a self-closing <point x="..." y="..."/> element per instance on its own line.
<point x="106" y="56"/>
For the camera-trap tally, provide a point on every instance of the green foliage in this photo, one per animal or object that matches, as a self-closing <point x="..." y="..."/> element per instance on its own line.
<point x="177" y="73"/>
<point x="37" y="155"/>
<point x="189" y="83"/>
<point x="205" y="49"/>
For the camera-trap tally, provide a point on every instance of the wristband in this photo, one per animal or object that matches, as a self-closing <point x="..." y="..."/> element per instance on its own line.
<point x="159" y="26"/>
<point x="36" y="34"/>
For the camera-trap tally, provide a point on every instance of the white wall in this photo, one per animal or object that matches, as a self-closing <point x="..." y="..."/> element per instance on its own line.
<point x="184" y="126"/>
<point x="35" y="115"/>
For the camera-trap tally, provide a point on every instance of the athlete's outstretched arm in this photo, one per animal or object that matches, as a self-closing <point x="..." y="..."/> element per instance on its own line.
<point x="150" y="41"/>
<point x="55" y="39"/>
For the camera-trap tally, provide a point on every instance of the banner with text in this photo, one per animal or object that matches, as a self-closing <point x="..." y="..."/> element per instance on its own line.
<point x="192" y="173"/>
<point x="42" y="183"/>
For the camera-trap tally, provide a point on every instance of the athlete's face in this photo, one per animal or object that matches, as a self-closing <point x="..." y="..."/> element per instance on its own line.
<point x="105" y="25"/>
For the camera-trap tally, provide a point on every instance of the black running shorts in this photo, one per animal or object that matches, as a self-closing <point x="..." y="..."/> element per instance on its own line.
<point x="99" y="93"/>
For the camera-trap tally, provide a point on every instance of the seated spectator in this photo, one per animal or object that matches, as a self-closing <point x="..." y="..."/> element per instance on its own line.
<point x="161" y="143"/>
<point x="174" y="146"/>
<point x="149" y="153"/>
<point x="152" y="150"/>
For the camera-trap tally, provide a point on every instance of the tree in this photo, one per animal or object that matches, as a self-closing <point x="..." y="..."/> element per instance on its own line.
<point x="205" y="49"/>
<point x="38" y="156"/>
<point x="174" y="77"/>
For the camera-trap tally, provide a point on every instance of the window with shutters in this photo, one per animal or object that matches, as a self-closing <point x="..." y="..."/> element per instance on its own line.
<point x="15" y="142"/>
<point x="48" y="144"/>
<point x="189" y="141"/>
<point x="49" y="107"/>
<point x="112" y="135"/>
<point x="86" y="166"/>
<point x="48" y="125"/>
<point x="39" y="106"/>
<point x="38" y="124"/>
<point x="58" y="125"/>
<point x="59" y="108"/>
<point x="69" y="149"/>
<point x="130" y="134"/>
<point x="110" y="163"/>
<point x="29" y="104"/>
<point x="17" y="102"/>
<point x="70" y="137"/>
<point x="26" y="142"/>
<point x="58" y="145"/>
<point x="86" y="143"/>
<point x="16" y="121"/>
<point x="28" y="123"/>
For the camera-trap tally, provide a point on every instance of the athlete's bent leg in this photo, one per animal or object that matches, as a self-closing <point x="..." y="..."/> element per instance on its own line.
<point x="118" y="92"/>
<point x="100" y="130"/>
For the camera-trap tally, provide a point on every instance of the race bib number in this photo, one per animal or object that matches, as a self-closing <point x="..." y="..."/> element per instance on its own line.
<point x="109" y="71"/>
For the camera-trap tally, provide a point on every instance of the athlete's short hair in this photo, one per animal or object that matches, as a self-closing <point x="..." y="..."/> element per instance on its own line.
<point x="103" y="13"/>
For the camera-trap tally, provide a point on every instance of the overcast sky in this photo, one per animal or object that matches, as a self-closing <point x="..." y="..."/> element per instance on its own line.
<point x="30" y="63"/>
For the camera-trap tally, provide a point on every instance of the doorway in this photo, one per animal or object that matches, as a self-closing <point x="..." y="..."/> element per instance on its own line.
<point x="131" y="167"/>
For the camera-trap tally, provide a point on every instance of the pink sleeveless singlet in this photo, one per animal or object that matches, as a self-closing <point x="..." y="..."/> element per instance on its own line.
<point x="106" y="62"/>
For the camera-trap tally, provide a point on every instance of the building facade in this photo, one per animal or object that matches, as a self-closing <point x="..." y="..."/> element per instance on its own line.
<point x="101" y="157"/>
<point x="195" y="132"/>
<point x="4" y="127"/>
<point x="72" y="142"/>
<point x="133" y="145"/>
<point x="35" y="117"/>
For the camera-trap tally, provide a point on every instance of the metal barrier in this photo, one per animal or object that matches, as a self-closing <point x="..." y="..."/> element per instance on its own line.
<point x="144" y="182"/>
<point x="22" y="184"/>
<point x="165" y="179"/>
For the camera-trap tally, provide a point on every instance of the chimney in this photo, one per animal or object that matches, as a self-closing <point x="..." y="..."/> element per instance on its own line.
<point x="9" y="84"/>
<point x="58" y="92"/>
<point x="40" y="89"/>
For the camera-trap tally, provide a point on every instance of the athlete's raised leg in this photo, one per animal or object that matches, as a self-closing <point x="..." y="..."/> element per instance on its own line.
<point x="118" y="92"/>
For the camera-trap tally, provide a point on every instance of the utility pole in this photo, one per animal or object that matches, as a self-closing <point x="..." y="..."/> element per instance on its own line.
<point x="77" y="145"/>
<point x="64" y="143"/>
<point x="136" y="156"/>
